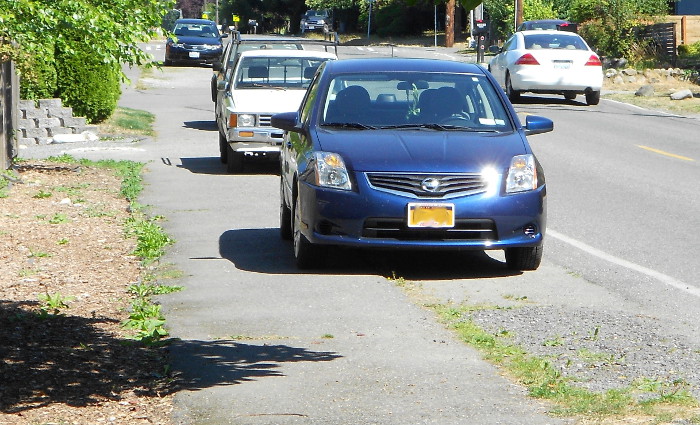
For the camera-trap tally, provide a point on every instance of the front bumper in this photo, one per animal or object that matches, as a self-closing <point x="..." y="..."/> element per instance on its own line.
<point x="256" y="140"/>
<point x="180" y="54"/>
<point x="371" y="218"/>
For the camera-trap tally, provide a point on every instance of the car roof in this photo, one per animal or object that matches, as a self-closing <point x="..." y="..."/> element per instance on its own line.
<point x="551" y="32"/>
<point x="401" y="64"/>
<point x="193" y="21"/>
<point x="260" y="53"/>
<point x="546" y="21"/>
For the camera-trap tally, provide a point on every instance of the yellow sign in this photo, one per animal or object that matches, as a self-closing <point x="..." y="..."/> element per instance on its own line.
<point x="236" y="18"/>
<point x="205" y="16"/>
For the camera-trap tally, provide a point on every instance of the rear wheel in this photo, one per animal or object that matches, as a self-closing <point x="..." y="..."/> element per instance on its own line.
<point x="285" y="216"/>
<point x="513" y="95"/>
<point x="306" y="254"/>
<point x="569" y="95"/>
<point x="592" y="97"/>
<point x="234" y="160"/>
<point x="528" y="258"/>
<point x="223" y="148"/>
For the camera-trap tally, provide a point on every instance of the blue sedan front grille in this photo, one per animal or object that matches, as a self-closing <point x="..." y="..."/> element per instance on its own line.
<point x="442" y="186"/>
<point x="465" y="229"/>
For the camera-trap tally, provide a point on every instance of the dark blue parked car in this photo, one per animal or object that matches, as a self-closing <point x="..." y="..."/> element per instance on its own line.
<point x="410" y="153"/>
<point x="196" y="41"/>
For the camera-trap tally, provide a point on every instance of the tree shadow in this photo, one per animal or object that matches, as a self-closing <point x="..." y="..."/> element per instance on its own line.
<point x="66" y="359"/>
<point x="207" y="125"/>
<point x="212" y="165"/>
<point x="205" y="364"/>
<point x="262" y="251"/>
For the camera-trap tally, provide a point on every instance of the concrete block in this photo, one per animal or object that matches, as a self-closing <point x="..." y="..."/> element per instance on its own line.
<point x="63" y="112"/>
<point x="48" y="122"/>
<point x="35" y="132"/>
<point x="26" y="123"/>
<point x="49" y="103"/>
<point x="27" y="141"/>
<point x="59" y="130"/>
<point x="26" y="104"/>
<point x="83" y="128"/>
<point x="35" y="113"/>
<point x="73" y="121"/>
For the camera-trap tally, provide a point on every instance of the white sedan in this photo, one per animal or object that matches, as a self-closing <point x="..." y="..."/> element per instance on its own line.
<point x="549" y="62"/>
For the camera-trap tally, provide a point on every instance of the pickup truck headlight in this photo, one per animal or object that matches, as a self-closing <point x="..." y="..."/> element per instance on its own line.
<point x="522" y="174"/>
<point x="241" y="120"/>
<point x="331" y="171"/>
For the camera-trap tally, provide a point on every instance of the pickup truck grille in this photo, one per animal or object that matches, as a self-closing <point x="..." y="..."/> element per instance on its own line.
<point x="264" y="120"/>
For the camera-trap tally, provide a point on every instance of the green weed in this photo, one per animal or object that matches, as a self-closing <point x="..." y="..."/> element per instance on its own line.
<point x="41" y="195"/>
<point x="52" y="304"/>
<point x="58" y="218"/>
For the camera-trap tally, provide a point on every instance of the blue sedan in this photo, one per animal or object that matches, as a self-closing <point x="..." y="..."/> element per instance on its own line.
<point x="410" y="154"/>
<point x="196" y="41"/>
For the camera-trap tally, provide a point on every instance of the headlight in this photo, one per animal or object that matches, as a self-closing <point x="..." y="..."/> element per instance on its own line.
<point x="522" y="174"/>
<point x="331" y="171"/>
<point x="246" y="120"/>
<point x="180" y="45"/>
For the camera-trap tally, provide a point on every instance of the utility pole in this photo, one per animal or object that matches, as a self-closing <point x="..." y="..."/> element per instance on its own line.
<point x="518" y="13"/>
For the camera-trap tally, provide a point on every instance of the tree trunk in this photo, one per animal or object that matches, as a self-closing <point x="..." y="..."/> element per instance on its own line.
<point x="450" y="23"/>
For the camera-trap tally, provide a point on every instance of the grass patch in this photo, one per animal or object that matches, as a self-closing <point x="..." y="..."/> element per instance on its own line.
<point x="660" y="102"/>
<point x="130" y="122"/>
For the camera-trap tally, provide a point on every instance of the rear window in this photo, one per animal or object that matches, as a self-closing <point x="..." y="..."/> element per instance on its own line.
<point x="554" y="41"/>
<point x="276" y="72"/>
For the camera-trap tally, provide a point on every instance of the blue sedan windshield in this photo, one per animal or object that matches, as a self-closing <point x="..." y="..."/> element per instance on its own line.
<point x="399" y="99"/>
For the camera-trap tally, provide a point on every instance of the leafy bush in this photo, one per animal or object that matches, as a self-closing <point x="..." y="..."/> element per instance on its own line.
<point x="87" y="84"/>
<point x="397" y="20"/>
<point x="38" y="78"/>
<point x="690" y="50"/>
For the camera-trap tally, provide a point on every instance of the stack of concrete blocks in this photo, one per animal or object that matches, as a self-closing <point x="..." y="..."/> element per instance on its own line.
<point x="40" y="123"/>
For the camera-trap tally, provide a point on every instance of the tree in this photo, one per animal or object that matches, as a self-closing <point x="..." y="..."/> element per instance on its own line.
<point x="32" y="31"/>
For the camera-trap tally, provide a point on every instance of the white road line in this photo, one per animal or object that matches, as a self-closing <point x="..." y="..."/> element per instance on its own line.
<point x="668" y="280"/>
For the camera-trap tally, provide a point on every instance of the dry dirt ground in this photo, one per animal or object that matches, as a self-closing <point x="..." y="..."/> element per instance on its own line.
<point x="62" y="232"/>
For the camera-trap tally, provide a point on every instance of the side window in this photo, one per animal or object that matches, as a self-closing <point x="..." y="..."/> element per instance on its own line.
<point x="307" y="103"/>
<point x="510" y="44"/>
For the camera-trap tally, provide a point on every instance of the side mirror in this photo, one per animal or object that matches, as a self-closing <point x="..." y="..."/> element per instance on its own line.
<point x="217" y="65"/>
<point x="286" y="121"/>
<point x="495" y="49"/>
<point x="224" y="35"/>
<point x="536" y="125"/>
<point x="221" y="85"/>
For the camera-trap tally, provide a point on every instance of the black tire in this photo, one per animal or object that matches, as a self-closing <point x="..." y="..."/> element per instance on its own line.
<point x="223" y="148"/>
<point x="285" y="216"/>
<point x="569" y="96"/>
<point x="592" y="98"/>
<point x="522" y="259"/>
<point x="513" y="95"/>
<point x="234" y="161"/>
<point x="306" y="254"/>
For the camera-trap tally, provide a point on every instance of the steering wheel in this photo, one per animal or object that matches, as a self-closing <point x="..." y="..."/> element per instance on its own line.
<point x="456" y="119"/>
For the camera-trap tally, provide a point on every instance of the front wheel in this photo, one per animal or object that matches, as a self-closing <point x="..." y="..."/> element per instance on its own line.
<point x="528" y="258"/>
<point x="306" y="254"/>
<point x="592" y="97"/>
<point x="223" y="148"/>
<point x="234" y="160"/>
<point x="513" y="95"/>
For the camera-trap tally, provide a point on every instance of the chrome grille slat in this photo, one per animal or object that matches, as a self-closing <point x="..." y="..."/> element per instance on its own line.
<point x="409" y="184"/>
<point x="265" y="120"/>
<point x="396" y="228"/>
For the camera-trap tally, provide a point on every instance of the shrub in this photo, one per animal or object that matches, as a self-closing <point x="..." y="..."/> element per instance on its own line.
<point x="38" y="77"/>
<point x="87" y="84"/>
<point x="398" y="20"/>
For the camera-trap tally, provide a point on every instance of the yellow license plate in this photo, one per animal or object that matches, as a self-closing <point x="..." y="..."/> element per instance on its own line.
<point x="431" y="215"/>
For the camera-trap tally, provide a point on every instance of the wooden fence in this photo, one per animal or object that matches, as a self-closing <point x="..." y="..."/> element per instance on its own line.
<point x="9" y="99"/>
<point x="687" y="28"/>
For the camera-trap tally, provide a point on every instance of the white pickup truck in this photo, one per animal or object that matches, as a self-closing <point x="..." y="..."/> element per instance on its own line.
<point x="264" y="82"/>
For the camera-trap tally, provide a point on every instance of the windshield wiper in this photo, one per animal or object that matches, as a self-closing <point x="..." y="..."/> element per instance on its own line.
<point x="349" y="125"/>
<point x="431" y="126"/>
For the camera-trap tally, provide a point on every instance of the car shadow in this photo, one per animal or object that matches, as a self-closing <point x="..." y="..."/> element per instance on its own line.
<point x="263" y="251"/>
<point x="540" y="100"/>
<point x="212" y="165"/>
<point x="206" y="125"/>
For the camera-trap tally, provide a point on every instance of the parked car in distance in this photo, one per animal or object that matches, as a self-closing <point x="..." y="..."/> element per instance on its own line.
<point x="263" y="82"/>
<point x="548" y="24"/>
<point x="196" y="41"/>
<point x="223" y="66"/>
<point x="410" y="154"/>
<point x="549" y="62"/>
<point x="316" y="20"/>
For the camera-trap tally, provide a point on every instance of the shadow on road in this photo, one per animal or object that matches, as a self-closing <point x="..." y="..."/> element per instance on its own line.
<point x="262" y="251"/>
<point x="212" y="165"/>
<point x="207" y="125"/>
<point x="205" y="364"/>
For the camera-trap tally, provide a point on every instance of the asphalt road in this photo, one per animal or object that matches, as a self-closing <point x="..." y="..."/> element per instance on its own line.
<point x="256" y="345"/>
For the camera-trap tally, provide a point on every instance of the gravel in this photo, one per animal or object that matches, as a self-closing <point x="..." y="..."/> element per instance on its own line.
<point x="601" y="351"/>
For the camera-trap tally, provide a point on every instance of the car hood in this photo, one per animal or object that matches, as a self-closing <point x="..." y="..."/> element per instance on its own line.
<point x="267" y="101"/>
<point x="198" y="40"/>
<point x="422" y="151"/>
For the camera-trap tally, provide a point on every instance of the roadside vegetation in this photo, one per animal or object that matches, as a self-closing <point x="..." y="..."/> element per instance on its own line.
<point x="647" y="400"/>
